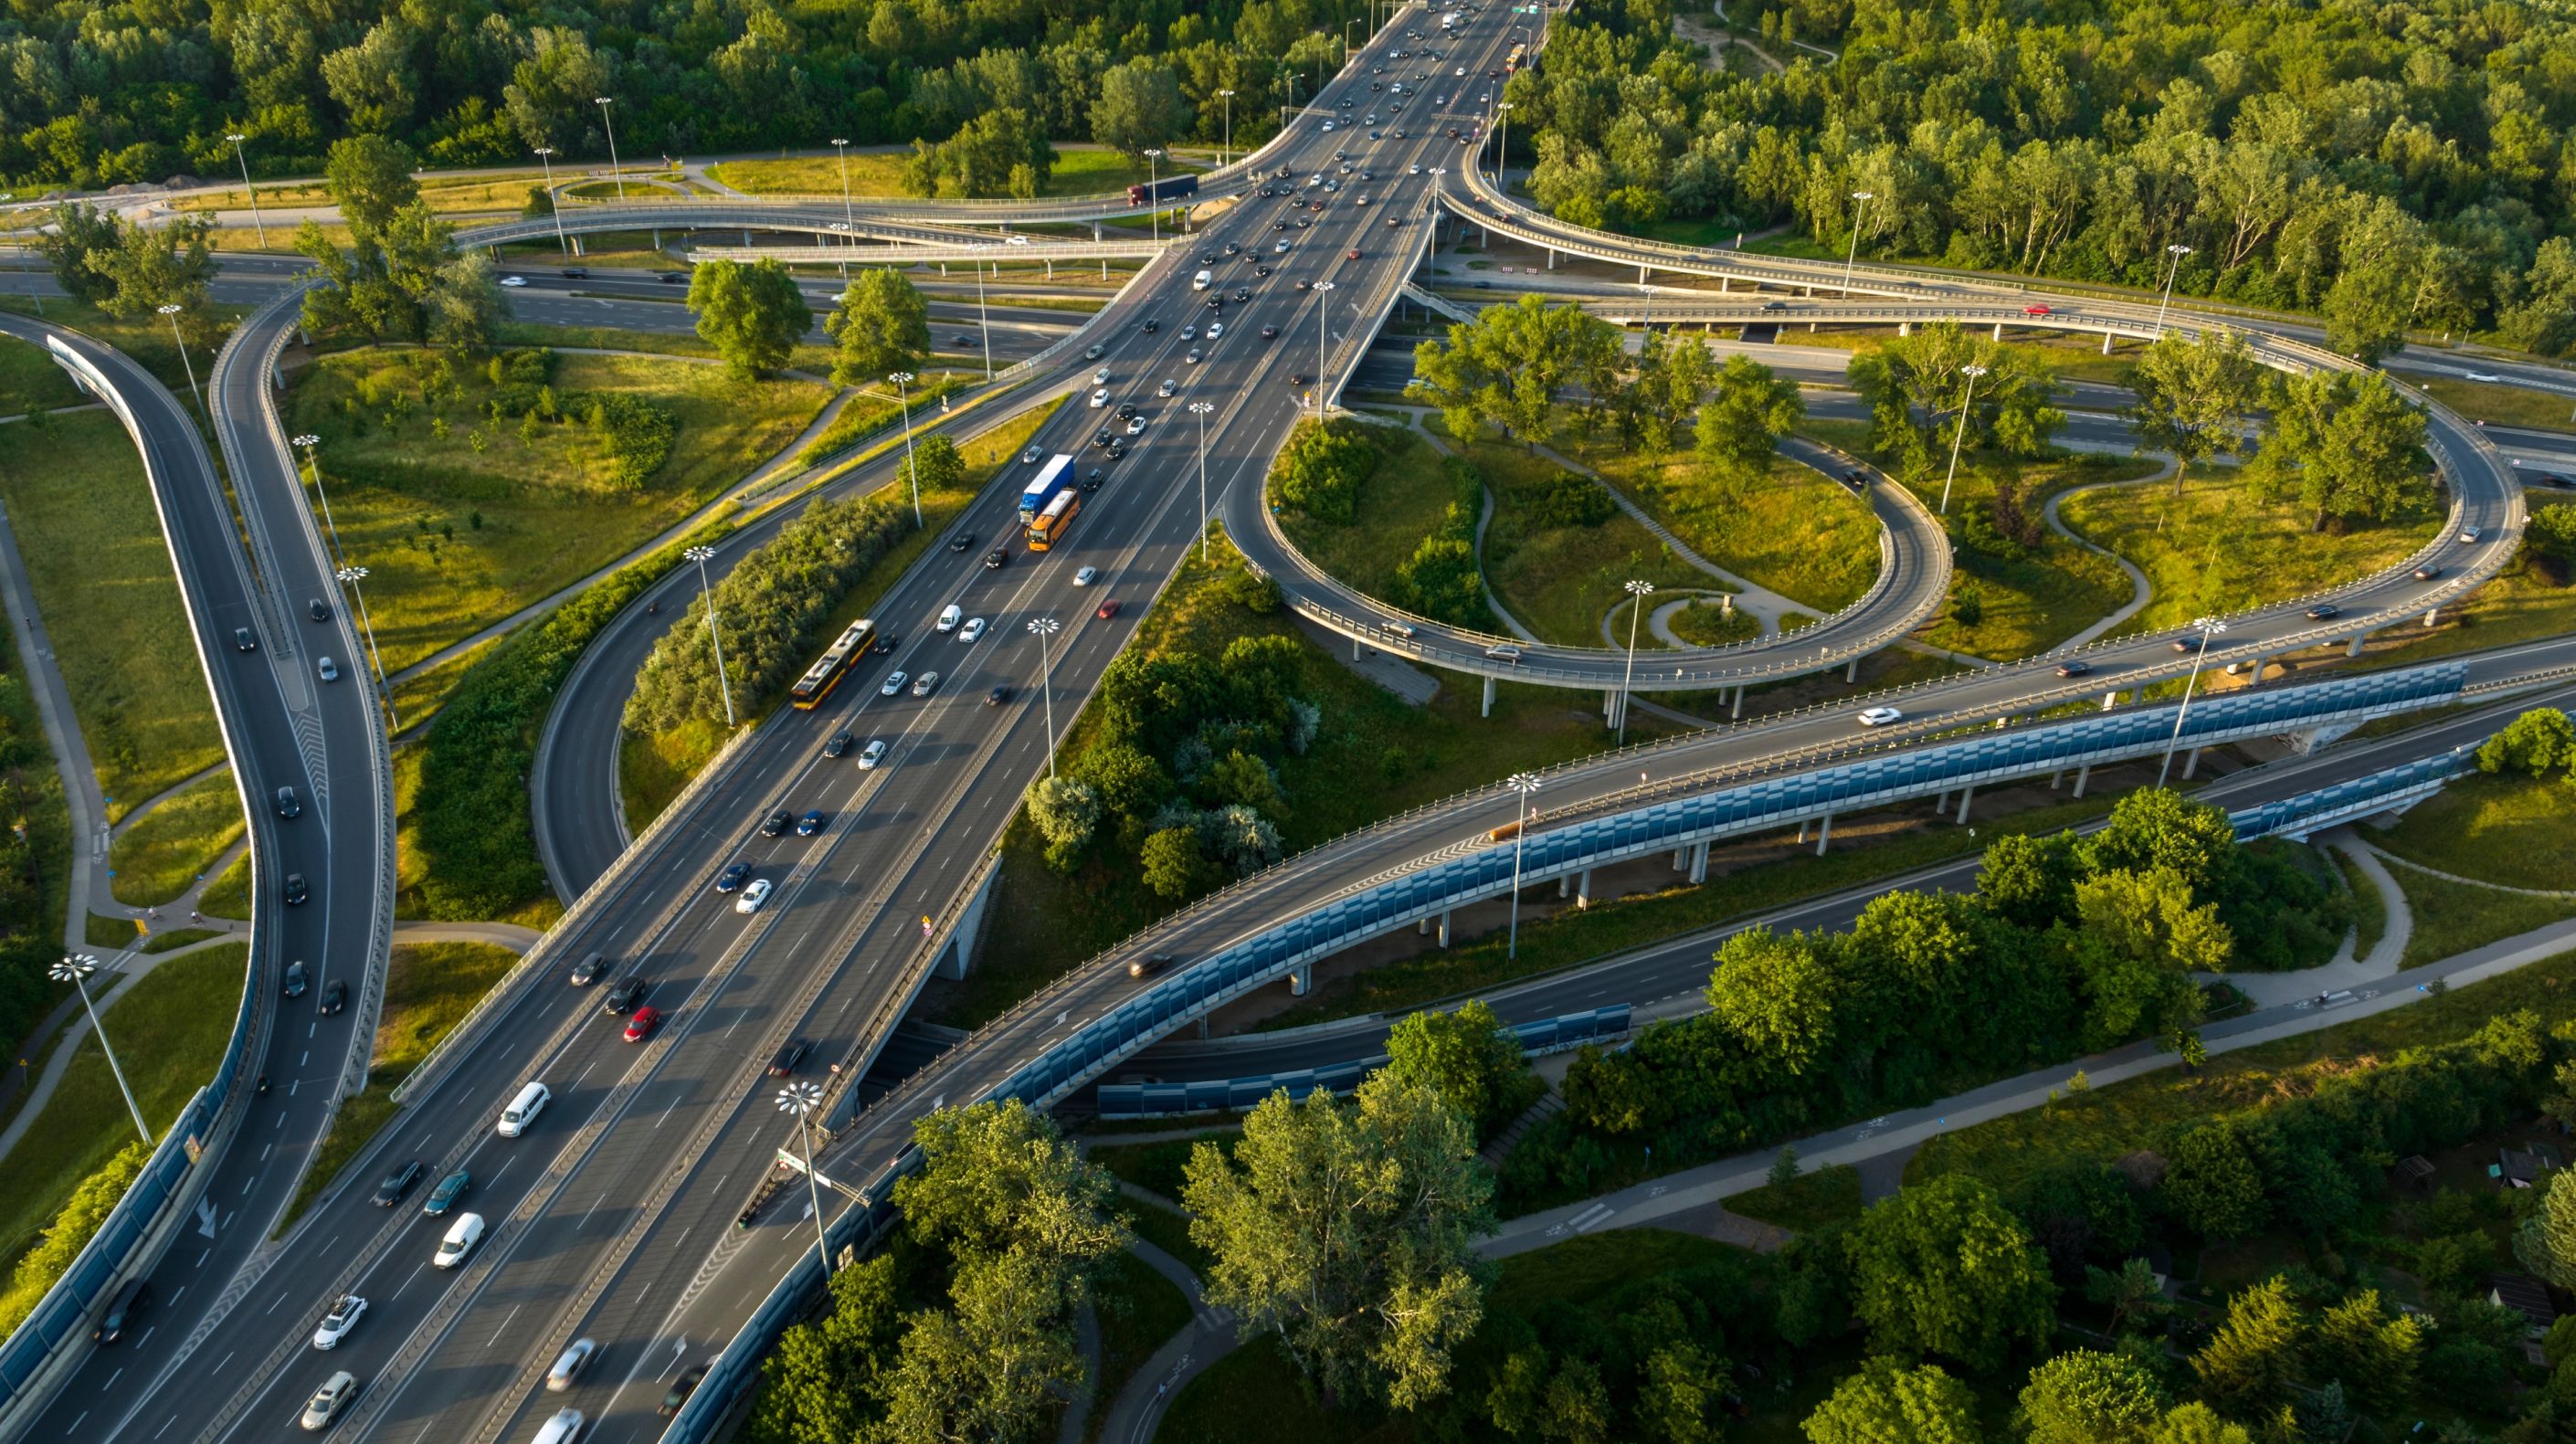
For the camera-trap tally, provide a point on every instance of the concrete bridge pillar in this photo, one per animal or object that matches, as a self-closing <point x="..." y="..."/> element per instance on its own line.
<point x="1551" y="259"/>
<point x="576" y="245"/>
<point x="1941" y="804"/>
<point x="1999" y="330"/>
<point x="1583" y="889"/>
<point x="1965" y="793"/>
<point x="1422" y="929"/>
<point x="1565" y="886"/>
<point x="1681" y="858"/>
<point x="1851" y="673"/>
<point x="1724" y="285"/>
<point x="1824" y="833"/>
<point x="2110" y="699"/>
<point x="1444" y="930"/>
<point x="1736" y="714"/>
<point x="1301" y="980"/>
<point x="2106" y="343"/>
<point x="2431" y="615"/>
<point x="1104" y="268"/>
<point x="2353" y="648"/>
<point x="2259" y="664"/>
<point x="2190" y="764"/>
<point x="2082" y="774"/>
<point x="1489" y="699"/>
<point x="961" y="942"/>
<point x="1356" y="649"/>
<point x="1807" y="293"/>
<point x="1050" y="265"/>
<point x="1095" y="233"/>
<point x="1641" y="275"/>
<point x="1904" y="328"/>
<point x="1699" y="864"/>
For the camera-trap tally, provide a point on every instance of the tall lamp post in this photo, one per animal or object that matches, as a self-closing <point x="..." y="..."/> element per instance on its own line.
<point x="800" y="1100"/>
<point x="172" y="311"/>
<point x="1853" y="255"/>
<point x="1043" y="628"/>
<point x="352" y="576"/>
<point x="546" y="157"/>
<point x="903" y="391"/>
<point x="2209" y="628"/>
<point x="256" y="223"/>
<point x="706" y="589"/>
<point x="1323" y="309"/>
<point x="36" y="292"/>
<point x="1972" y="373"/>
<point x="842" y="144"/>
<point x="606" y="106"/>
<point x="1637" y="591"/>
<point x="1200" y="409"/>
<point x="313" y="469"/>
<point x="983" y="319"/>
<point x="75" y="970"/>
<point x="1225" y="151"/>
<point x="1503" y="146"/>
<point x="2177" y="251"/>
<point x="1523" y="783"/>
<point x="1154" y="192"/>
<point x="842" y="229"/>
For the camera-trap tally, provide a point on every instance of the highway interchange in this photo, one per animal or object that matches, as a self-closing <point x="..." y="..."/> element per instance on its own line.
<point x="637" y="1169"/>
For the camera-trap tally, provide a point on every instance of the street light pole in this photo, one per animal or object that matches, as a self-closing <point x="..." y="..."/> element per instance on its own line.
<point x="1043" y="628"/>
<point x="2208" y="628"/>
<point x="256" y="223"/>
<point x="1523" y="783"/>
<point x="1225" y="151"/>
<point x="172" y="311"/>
<point x="75" y="970"/>
<point x="983" y="319"/>
<point x="1503" y="145"/>
<point x="1853" y="254"/>
<point x="554" y="205"/>
<point x="313" y="469"/>
<point x="1154" y="193"/>
<point x="352" y="576"/>
<point x="1972" y="373"/>
<point x="1323" y="309"/>
<point x="606" y="104"/>
<point x="842" y="229"/>
<point x="801" y="1099"/>
<point x="706" y="589"/>
<point x="842" y="143"/>
<point x="1637" y="591"/>
<point x="2177" y="252"/>
<point x="1200" y="409"/>
<point x="903" y="390"/>
<point x="33" y="291"/>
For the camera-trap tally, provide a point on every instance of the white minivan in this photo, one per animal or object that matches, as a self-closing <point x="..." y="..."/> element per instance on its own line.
<point x="523" y="1110"/>
<point x="1202" y="280"/>
<point x="949" y="619"/>
<point x="459" y="1243"/>
<point x="563" y="1428"/>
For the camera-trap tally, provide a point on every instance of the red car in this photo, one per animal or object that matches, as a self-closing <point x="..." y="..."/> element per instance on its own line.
<point x="1107" y="610"/>
<point x="641" y="1025"/>
<point x="1353" y="253"/>
<point x="2034" y="310"/>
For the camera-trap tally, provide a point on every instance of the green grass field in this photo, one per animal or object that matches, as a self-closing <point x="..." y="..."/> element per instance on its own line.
<point x="92" y="543"/>
<point x="228" y="896"/>
<point x="503" y="192"/>
<point x="2520" y="604"/>
<point x="1790" y="529"/>
<point x="880" y="174"/>
<point x="48" y="818"/>
<point x="2369" y="904"/>
<point x="1561" y="581"/>
<point x="2453" y="917"/>
<point x="2518" y="831"/>
<point x="2504" y="405"/>
<point x="1399" y="505"/>
<point x="455" y="539"/>
<point x="2218" y="549"/>
<point x="29" y="379"/>
<point x="162" y="854"/>
<point x="144" y="338"/>
<point x="169" y="1033"/>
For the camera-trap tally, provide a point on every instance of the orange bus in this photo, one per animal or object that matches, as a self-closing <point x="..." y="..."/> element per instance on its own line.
<point x="1512" y="62"/>
<point x="1050" y="526"/>
<point x="824" y="675"/>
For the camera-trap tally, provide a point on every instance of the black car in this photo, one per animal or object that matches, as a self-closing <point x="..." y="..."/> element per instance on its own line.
<point x="733" y="877"/>
<point x="623" y="997"/>
<point x="399" y="1183"/>
<point x="1000" y="694"/>
<point x="1775" y="305"/>
<point x="1264" y="270"/>
<point x="1216" y="303"/>
<point x="672" y="278"/>
<point x="2191" y="642"/>
<point x="320" y="609"/>
<point x="961" y="541"/>
<point x="1091" y="482"/>
<point x="297" y="892"/>
<point x="2323" y="610"/>
<point x="287" y="804"/>
<point x="450" y="1189"/>
<point x="1117" y="449"/>
<point x="2072" y="668"/>
<point x="1242" y="293"/>
<point x="997" y="558"/>
<point x="1100" y="437"/>
<point x="789" y="1054"/>
<point x="2427" y="572"/>
<point x="681" y="1388"/>
<point x="775" y="824"/>
<point x="1297" y="378"/>
<point x="576" y="273"/>
<point x="335" y="996"/>
<point x="1152" y="326"/>
<point x="962" y="339"/>
<point x="243" y="641"/>
<point x="1232" y="249"/>
<point x="1268" y="332"/>
<point x="294" y="986"/>
<point x="1127" y="411"/>
<point x="1207" y="258"/>
<point x="885" y="645"/>
<point x="839" y="744"/>
<point x="589" y="970"/>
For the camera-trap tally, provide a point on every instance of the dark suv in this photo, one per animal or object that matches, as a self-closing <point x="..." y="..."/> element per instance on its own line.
<point x="776" y="824"/>
<point x="623" y="997"/>
<point x="839" y="744"/>
<point x="399" y="1183"/>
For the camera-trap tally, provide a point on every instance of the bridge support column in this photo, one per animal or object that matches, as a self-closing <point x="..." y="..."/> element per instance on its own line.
<point x="1444" y="930"/>
<point x="1095" y="233"/>
<point x="1489" y="699"/>
<point x="1904" y="328"/>
<point x="1422" y="929"/>
<point x="1583" y="889"/>
<point x="961" y="943"/>
<point x="2110" y="699"/>
<point x="1941" y="804"/>
<point x="1565" y="886"/>
<point x="1301" y="980"/>
<point x="1050" y="265"/>
<point x="1355" y="649"/>
<point x="1551" y="259"/>
<point x="657" y="238"/>
<point x="1824" y="833"/>
<point x="2106" y="343"/>
<point x="1699" y="864"/>
<point x="1964" y="794"/>
<point x="1681" y="858"/>
<point x="2082" y="775"/>
<point x="576" y="246"/>
<point x="1736" y="714"/>
<point x="1852" y="673"/>
<point x="1999" y="330"/>
<point x="2190" y="764"/>
<point x="2057" y="780"/>
<point x="1641" y="275"/>
<point x="2431" y="615"/>
<point x="1723" y="286"/>
<point x="2353" y="648"/>
<point x="2259" y="664"/>
<point x="1802" y="829"/>
<point x="1104" y="268"/>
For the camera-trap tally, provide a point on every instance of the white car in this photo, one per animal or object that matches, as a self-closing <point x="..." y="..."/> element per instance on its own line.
<point x="1086" y="576"/>
<point x="336" y="1324"/>
<point x="1328" y="127"/>
<point x="755" y="897"/>
<point x="1099" y="398"/>
<point x="1189" y="333"/>
<point x="893" y="684"/>
<point x="1413" y="170"/>
<point x="1100" y="377"/>
<point x="874" y="753"/>
<point x="973" y="630"/>
<point x="928" y="684"/>
<point x="1215" y="329"/>
<point x="1033" y="456"/>
<point x="1879" y="716"/>
<point x="1019" y="240"/>
<point x="2487" y="376"/>
<point x="1280" y="249"/>
<point x="2469" y="535"/>
<point x="949" y="618"/>
<point x="1462" y="70"/>
<point x="328" y="1401"/>
<point x="1136" y="427"/>
<point x="514" y="282"/>
<point x="1167" y="388"/>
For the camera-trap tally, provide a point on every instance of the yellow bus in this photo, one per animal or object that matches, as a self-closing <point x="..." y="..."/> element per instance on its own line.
<point x="1049" y="528"/>
<point x="824" y="675"/>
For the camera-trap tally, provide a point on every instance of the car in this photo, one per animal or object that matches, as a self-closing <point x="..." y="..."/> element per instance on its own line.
<point x="1033" y="456"/>
<point x="1000" y="694"/>
<point x="2034" y="310"/>
<point x="1775" y="305"/>
<point x="1189" y="333"/>
<point x="591" y="968"/>
<point x="1136" y="427"/>
<point x="885" y="644"/>
<point x="1269" y="333"/>
<point x="514" y="282"/>
<point x="646" y="1019"/>
<point x="1233" y="249"/>
<point x="1126" y="410"/>
<point x="973" y="631"/>
<point x="789" y="1054"/>
<point x="1261" y="270"/>
<point x="2486" y="376"/>
<point x="335" y="997"/>
<point x="754" y="897"/>
<point x="811" y="823"/>
<point x="681" y="1388"/>
<point x="1106" y="609"/>
<point x="1100" y="437"/>
<point x="575" y="273"/>
<point x="320" y="609"/>
<point x="1359" y="200"/>
<point x="568" y="1364"/>
<point x="1216" y="303"/>
<point x="329" y="669"/>
<point x="775" y="824"/>
<point x="2191" y="642"/>
<point x="1243" y="293"/>
<point x="2470" y="535"/>
<point x="343" y="1317"/>
<point x="294" y="985"/>
<point x="1094" y="353"/>
<point x="2324" y="611"/>
<point x="2074" y="668"/>
<point x="2428" y="572"/>
<point x="1207" y="258"/>
<point x="1152" y="325"/>
<point x="1196" y="355"/>
<point x="398" y="1186"/>
<point x="297" y="890"/>
<point x="1414" y="169"/>
<point x="997" y="558"/>
<point x="1880" y="716"/>
<point x="1100" y="377"/>
<point x="950" y="616"/>
<point x="450" y="1189"/>
<point x="961" y="541"/>
<point x="1303" y="284"/>
<point x="1086" y="576"/>
<point x="839" y="744"/>
<point x="672" y="278"/>
<point x="874" y="757"/>
<point x="1216" y="329"/>
<point x="926" y="684"/>
<point x="288" y="806"/>
<point x="1168" y="388"/>
<point x="733" y="877"/>
<point x="1092" y="479"/>
<point x="1281" y="248"/>
<point x="1504" y="652"/>
<point x="243" y="641"/>
<point x="1118" y="449"/>
<point x="962" y="338"/>
<point x="622" y="998"/>
<point x="1296" y="378"/>
<point x="327" y="1402"/>
<point x="1099" y="399"/>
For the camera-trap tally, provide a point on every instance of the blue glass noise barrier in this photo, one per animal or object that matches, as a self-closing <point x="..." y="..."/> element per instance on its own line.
<point x="2345" y="801"/>
<point x="1487" y="871"/>
<point x="1210" y="1095"/>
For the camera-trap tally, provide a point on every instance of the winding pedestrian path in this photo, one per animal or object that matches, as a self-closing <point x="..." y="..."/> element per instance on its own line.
<point x="2141" y="591"/>
<point x="131" y="969"/>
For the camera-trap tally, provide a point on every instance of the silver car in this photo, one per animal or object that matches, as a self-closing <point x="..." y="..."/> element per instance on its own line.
<point x="328" y="1401"/>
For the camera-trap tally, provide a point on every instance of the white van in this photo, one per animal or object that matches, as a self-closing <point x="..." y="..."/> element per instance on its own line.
<point x="462" y="1236"/>
<point x="568" y="1364"/>
<point x="563" y="1428"/>
<point x="1202" y="280"/>
<point x="523" y="1110"/>
<point x="949" y="618"/>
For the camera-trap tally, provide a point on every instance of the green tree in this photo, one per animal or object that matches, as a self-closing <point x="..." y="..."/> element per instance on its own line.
<point x="2086" y="1397"/>
<point x="1064" y="812"/>
<point x="1507" y="367"/>
<point x="2539" y="740"/>
<point x="1753" y="409"/>
<point x="1775" y="996"/>
<point x="882" y="326"/>
<point x="2151" y="917"/>
<point x="2249" y="1369"/>
<point x="1915" y="387"/>
<point x="1678" y="1396"/>
<point x="2543" y="319"/>
<point x="2346" y="447"/>
<point x="937" y="464"/>
<point x="1944" y="1268"/>
<point x="2156" y="827"/>
<point x="2546" y="1241"/>
<point x="751" y="313"/>
<point x="1140" y="108"/>
<point x="825" y="1381"/>
<point x="1347" y="1232"/>
<point x="1886" y="1403"/>
<point x="999" y="1178"/>
<point x="1466" y="1057"/>
<point x="2212" y="1183"/>
<point x="370" y="179"/>
<point x="2373" y="1353"/>
<point x="76" y="236"/>
<point x="994" y="1366"/>
<point x="2194" y="396"/>
<point x="2197" y="1424"/>
<point x="1173" y="865"/>
<point x="152" y="267"/>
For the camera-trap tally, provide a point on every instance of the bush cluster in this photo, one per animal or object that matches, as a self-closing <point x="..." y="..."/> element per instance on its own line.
<point x="1562" y="500"/>
<point x="1441" y="580"/>
<point x="1322" y="470"/>
<point x="639" y="432"/>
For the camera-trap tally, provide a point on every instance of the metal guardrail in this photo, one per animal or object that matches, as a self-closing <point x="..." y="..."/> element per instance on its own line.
<point x="1169" y="1100"/>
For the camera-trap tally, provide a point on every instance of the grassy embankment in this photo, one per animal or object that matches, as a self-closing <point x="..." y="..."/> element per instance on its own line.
<point x="167" y="849"/>
<point x="880" y="174"/>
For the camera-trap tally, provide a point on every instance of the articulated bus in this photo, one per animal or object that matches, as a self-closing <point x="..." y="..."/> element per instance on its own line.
<point x="1050" y="526"/>
<point x="1513" y="62"/>
<point x="823" y="676"/>
<point x="1055" y="476"/>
